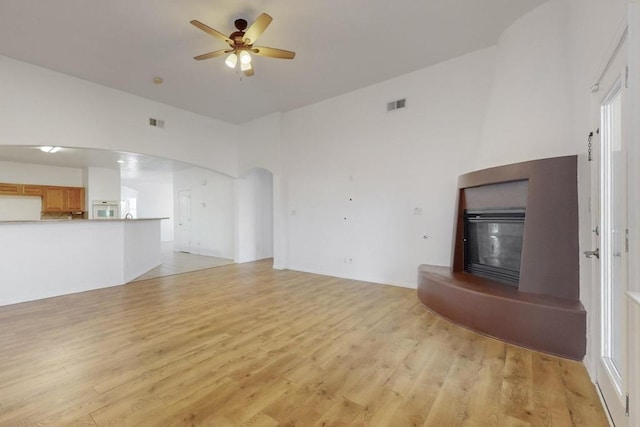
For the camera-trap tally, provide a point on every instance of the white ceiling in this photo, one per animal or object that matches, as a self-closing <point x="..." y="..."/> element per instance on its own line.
<point x="341" y="46"/>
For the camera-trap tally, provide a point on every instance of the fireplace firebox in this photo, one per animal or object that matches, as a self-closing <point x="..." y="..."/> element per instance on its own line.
<point x="493" y="244"/>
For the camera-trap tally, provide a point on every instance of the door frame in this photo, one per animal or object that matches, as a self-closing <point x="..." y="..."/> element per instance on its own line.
<point x="182" y="226"/>
<point x="613" y="395"/>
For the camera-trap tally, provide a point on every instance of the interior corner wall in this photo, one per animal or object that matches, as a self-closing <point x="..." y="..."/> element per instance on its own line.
<point x="44" y="107"/>
<point x="371" y="193"/>
<point x="529" y="114"/>
<point x="254" y="195"/>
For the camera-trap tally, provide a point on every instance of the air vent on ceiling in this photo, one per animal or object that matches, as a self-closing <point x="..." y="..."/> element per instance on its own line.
<point x="156" y="122"/>
<point x="394" y="105"/>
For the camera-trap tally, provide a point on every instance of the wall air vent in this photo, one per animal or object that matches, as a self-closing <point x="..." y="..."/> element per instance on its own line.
<point x="156" y="122"/>
<point x="395" y="105"/>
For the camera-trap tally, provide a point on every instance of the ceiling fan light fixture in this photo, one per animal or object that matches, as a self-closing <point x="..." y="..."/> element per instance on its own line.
<point x="245" y="57"/>
<point x="241" y="44"/>
<point x="231" y="60"/>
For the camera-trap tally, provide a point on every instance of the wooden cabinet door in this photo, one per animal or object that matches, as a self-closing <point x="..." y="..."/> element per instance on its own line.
<point x="31" y="190"/>
<point x="10" y="189"/>
<point x="75" y="199"/>
<point x="53" y="199"/>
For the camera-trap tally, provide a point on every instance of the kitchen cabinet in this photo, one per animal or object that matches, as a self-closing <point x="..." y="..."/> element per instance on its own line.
<point x="20" y="189"/>
<point x="75" y="199"/>
<point x="53" y="199"/>
<point x="10" y="189"/>
<point x="62" y="199"/>
<point x="31" y="190"/>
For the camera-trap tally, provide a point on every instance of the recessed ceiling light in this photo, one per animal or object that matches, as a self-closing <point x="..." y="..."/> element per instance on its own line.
<point x="158" y="80"/>
<point x="49" y="149"/>
<point x="120" y="161"/>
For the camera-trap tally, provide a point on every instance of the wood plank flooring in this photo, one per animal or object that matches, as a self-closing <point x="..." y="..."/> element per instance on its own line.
<point x="248" y="345"/>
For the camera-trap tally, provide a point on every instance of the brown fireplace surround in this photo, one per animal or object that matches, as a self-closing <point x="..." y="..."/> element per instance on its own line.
<point x="544" y="311"/>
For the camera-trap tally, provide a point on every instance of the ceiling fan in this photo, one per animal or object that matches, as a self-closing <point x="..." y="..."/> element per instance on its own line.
<point x="241" y="44"/>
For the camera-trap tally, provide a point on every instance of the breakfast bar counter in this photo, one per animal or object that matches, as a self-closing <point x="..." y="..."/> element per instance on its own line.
<point x="41" y="259"/>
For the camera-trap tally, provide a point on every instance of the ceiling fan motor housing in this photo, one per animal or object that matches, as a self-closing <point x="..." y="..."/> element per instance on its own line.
<point x="240" y="24"/>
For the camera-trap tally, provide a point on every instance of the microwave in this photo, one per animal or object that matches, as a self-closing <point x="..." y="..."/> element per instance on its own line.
<point x="102" y="209"/>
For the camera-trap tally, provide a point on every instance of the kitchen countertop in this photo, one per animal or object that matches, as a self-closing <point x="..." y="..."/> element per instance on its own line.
<point x="48" y="221"/>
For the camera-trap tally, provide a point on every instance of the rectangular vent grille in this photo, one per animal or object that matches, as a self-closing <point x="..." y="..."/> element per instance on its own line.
<point x="156" y="122"/>
<point x="395" y="105"/>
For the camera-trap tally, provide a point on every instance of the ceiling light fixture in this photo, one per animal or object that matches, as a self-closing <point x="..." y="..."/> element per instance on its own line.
<point x="242" y="43"/>
<point x="231" y="60"/>
<point x="245" y="57"/>
<point x="49" y="149"/>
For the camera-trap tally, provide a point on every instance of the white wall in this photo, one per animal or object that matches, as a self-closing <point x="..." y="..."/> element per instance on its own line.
<point x="389" y="164"/>
<point x="212" y="212"/>
<point x="40" y="260"/>
<point x="254" y="198"/>
<point x="260" y="146"/>
<point x="45" y="259"/>
<point x="20" y="208"/>
<point x="529" y="113"/>
<point x="102" y="184"/>
<point x="29" y="173"/>
<point x="43" y="107"/>
<point x="154" y="199"/>
<point x="142" y="250"/>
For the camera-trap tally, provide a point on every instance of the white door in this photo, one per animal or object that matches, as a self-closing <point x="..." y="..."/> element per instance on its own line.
<point x="609" y="221"/>
<point x="183" y="234"/>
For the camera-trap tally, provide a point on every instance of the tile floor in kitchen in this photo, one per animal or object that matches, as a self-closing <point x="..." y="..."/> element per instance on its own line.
<point x="181" y="262"/>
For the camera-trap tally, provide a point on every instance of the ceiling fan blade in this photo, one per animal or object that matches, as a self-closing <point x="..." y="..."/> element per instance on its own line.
<point x="215" y="33"/>
<point x="273" y="52"/>
<point x="210" y="54"/>
<point x="257" y="28"/>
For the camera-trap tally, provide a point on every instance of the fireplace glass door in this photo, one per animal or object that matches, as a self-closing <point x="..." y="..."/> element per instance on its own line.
<point x="493" y="244"/>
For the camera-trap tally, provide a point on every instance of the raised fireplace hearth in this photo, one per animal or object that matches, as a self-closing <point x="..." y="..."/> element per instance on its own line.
<point x="514" y="271"/>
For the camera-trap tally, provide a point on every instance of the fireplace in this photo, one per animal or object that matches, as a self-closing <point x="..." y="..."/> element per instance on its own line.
<point x="511" y="278"/>
<point x="493" y="244"/>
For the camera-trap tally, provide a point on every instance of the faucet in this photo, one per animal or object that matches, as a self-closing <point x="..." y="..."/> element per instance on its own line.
<point x="128" y="216"/>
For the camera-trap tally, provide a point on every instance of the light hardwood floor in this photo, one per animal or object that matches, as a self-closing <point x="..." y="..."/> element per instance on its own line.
<point x="247" y="345"/>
